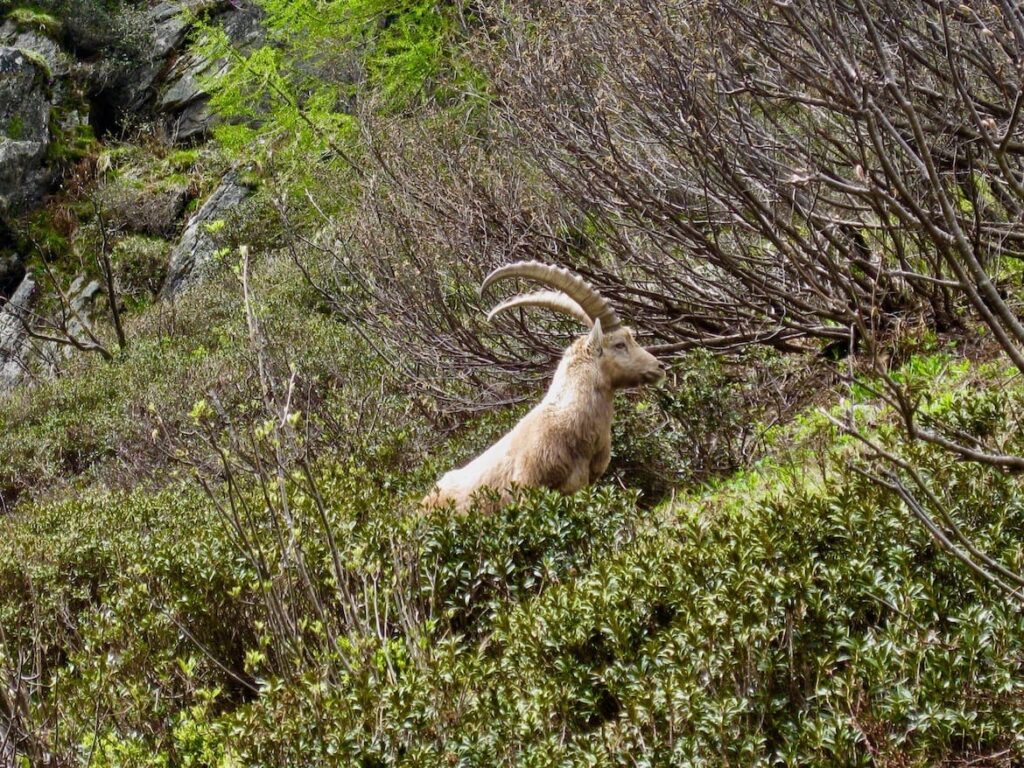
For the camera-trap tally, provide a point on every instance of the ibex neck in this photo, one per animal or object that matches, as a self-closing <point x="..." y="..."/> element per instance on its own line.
<point x="578" y="383"/>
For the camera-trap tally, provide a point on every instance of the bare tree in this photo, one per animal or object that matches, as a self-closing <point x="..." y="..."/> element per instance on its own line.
<point x="68" y="324"/>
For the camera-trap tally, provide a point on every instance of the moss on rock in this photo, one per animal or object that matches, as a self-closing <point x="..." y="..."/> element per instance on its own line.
<point x="33" y="20"/>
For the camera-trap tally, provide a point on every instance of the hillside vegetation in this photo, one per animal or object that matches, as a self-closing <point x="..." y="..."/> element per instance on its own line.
<point x="809" y="546"/>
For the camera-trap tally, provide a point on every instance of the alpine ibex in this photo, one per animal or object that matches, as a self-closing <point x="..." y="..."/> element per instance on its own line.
<point x="564" y="443"/>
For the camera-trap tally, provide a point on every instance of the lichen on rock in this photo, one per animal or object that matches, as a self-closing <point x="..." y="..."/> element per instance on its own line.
<point x="24" y="128"/>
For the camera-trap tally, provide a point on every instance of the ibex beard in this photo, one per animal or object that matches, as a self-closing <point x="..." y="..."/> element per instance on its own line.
<point x="564" y="442"/>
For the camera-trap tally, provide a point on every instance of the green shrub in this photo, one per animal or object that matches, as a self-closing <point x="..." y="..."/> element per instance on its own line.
<point x="118" y="603"/>
<point x="140" y="266"/>
<point x="819" y="628"/>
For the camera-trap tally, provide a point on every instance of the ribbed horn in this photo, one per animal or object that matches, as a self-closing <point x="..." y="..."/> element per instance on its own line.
<point x="578" y="289"/>
<point x="554" y="300"/>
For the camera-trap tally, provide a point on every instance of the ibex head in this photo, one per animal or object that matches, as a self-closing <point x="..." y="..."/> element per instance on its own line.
<point x="618" y="358"/>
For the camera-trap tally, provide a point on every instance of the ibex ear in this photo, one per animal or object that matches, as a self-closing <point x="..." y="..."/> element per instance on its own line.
<point x="595" y="342"/>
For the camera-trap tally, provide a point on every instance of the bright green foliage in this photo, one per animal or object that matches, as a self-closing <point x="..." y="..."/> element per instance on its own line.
<point x="295" y="96"/>
<point x="287" y="114"/>
<point x="410" y="50"/>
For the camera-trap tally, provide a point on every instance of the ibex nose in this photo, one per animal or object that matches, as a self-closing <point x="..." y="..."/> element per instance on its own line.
<point x="659" y="372"/>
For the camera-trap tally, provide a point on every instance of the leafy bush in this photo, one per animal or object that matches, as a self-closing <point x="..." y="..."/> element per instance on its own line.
<point x="118" y="604"/>
<point x="140" y="266"/>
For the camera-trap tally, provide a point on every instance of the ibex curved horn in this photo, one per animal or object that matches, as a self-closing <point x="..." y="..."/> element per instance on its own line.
<point x="578" y="290"/>
<point x="554" y="300"/>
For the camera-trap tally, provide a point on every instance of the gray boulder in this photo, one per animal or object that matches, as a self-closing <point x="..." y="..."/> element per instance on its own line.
<point x="49" y="358"/>
<point x="39" y="103"/>
<point x="195" y="253"/>
<point x="24" y="127"/>
<point x="14" y="338"/>
<point x="57" y="59"/>
<point x="170" y="22"/>
<point x="82" y="297"/>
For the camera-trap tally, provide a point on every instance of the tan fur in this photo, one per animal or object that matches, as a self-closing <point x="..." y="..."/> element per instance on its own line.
<point x="564" y="443"/>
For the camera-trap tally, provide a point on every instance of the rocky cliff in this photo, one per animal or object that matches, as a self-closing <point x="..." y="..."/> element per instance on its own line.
<point x="72" y="84"/>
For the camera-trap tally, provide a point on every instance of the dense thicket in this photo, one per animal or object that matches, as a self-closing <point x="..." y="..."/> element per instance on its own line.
<point x="790" y="617"/>
<point x="730" y="173"/>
